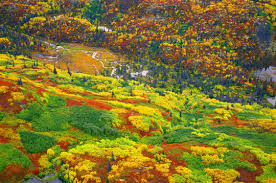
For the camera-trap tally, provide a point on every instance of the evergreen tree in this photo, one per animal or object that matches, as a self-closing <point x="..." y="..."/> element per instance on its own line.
<point x="94" y="12"/>
<point x="108" y="167"/>
<point x="55" y="70"/>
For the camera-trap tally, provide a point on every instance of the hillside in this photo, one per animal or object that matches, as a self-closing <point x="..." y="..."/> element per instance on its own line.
<point x="101" y="128"/>
<point x="137" y="91"/>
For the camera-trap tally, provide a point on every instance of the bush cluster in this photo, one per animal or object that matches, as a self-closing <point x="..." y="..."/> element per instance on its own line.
<point x="36" y="143"/>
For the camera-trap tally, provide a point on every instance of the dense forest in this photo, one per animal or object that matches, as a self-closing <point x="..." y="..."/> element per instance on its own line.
<point x="177" y="91"/>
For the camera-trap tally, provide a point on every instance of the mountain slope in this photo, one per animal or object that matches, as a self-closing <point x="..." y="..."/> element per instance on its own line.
<point x="100" y="128"/>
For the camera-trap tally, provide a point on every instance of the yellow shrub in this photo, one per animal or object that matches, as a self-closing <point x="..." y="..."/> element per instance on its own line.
<point x="12" y="76"/>
<point x="90" y="178"/>
<point x="222" y="176"/>
<point x="219" y="87"/>
<point x="71" y="175"/>
<point x="105" y="94"/>
<point x="50" y="153"/>
<point x="119" y="110"/>
<point x="4" y="41"/>
<point x="9" y="133"/>
<point x="17" y="96"/>
<point x="70" y="88"/>
<point x="263" y="157"/>
<point x="101" y="87"/>
<point x="2" y="68"/>
<point x="164" y="168"/>
<point x="131" y="162"/>
<point x="211" y="159"/>
<point x="138" y="123"/>
<point x="84" y="166"/>
<point x="273" y="158"/>
<point x="270" y="180"/>
<point x="142" y="147"/>
<point x="148" y="111"/>
<point x="200" y="134"/>
<point x="4" y="89"/>
<point x="223" y="113"/>
<point x="183" y="171"/>
<point x="126" y="97"/>
<point x="200" y="151"/>
<point x="169" y="101"/>
<point x="161" y="158"/>
<point x="121" y="104"/>
<point x="4" y="59"/>
<point x="263" y="124"/>
<point x="43" y="161"/>
<point x="139" y="92"/>
<point x="66" y="156"/>
<point x="134" y="161"/>
<point x="58" y="91"/>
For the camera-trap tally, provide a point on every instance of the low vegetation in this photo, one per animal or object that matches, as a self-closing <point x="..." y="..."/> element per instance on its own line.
<point x="177" y="99"/>
<point x="89" y="136"/>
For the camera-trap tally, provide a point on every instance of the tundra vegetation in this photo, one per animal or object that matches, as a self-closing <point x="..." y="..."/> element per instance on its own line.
<point x="199" y="115"/>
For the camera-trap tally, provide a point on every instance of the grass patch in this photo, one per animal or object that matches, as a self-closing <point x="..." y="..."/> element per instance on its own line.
<point x="268" y="175"/>
<point x="2" y="115"/>
<point x="231" y="161"/>
<point x="250" y="167"/>
<point x="197" y="168"/>
<point x="92" y="121"/>
<point x="54" y="102"/>
<point x="32" y="112"/>
<point x="179" y="135"/>
<point x="51" y="121"/>
<point x="35" y="143"/>
<point x="9" y="155"/>
<point x="266" y="141"/>
<point x="154" y="140"/>
<point x="250" y="115"/>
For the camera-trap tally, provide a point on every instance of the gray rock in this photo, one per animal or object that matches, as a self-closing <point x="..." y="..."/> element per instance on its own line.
<point x="267" y="74"/>
<point x="44" y="179"/>
<point x="272" y="100"/>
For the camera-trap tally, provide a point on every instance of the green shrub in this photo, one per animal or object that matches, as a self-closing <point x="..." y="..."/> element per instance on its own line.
<point x="32" y="112"/>
<point x="266" y="141"/>
<point x="250" y="115"/>
<point x="154" y="140"/>
<point x="208" y="138"/>
<point x="62" y="178"/>
<point x="31" y="74"/>
<point x="250" y="167"/>
<point x="183" y="134"/>
<point x="2" y="115"/>
<point x="193" y="161"/>
<point x="197" y="168"/>
<point x="179" y="179"/>
<point x="263" y="157"/>
<point x="51" y="121"/>
<point x="9" y="155"/>
<point x="55" y="102"/>
<point x="94" y="11"/>
<point x="182" y="29"/>
<point x="231" y="142"/>
<point x="231" y="161"/>
<point x="269" y="173"/>
<point x="131" y="136"/>
<point x="35" y="143"/>
<point x="156" y="149"/>
<point x="92" y="121"/>
<point x="192" y="116"/>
